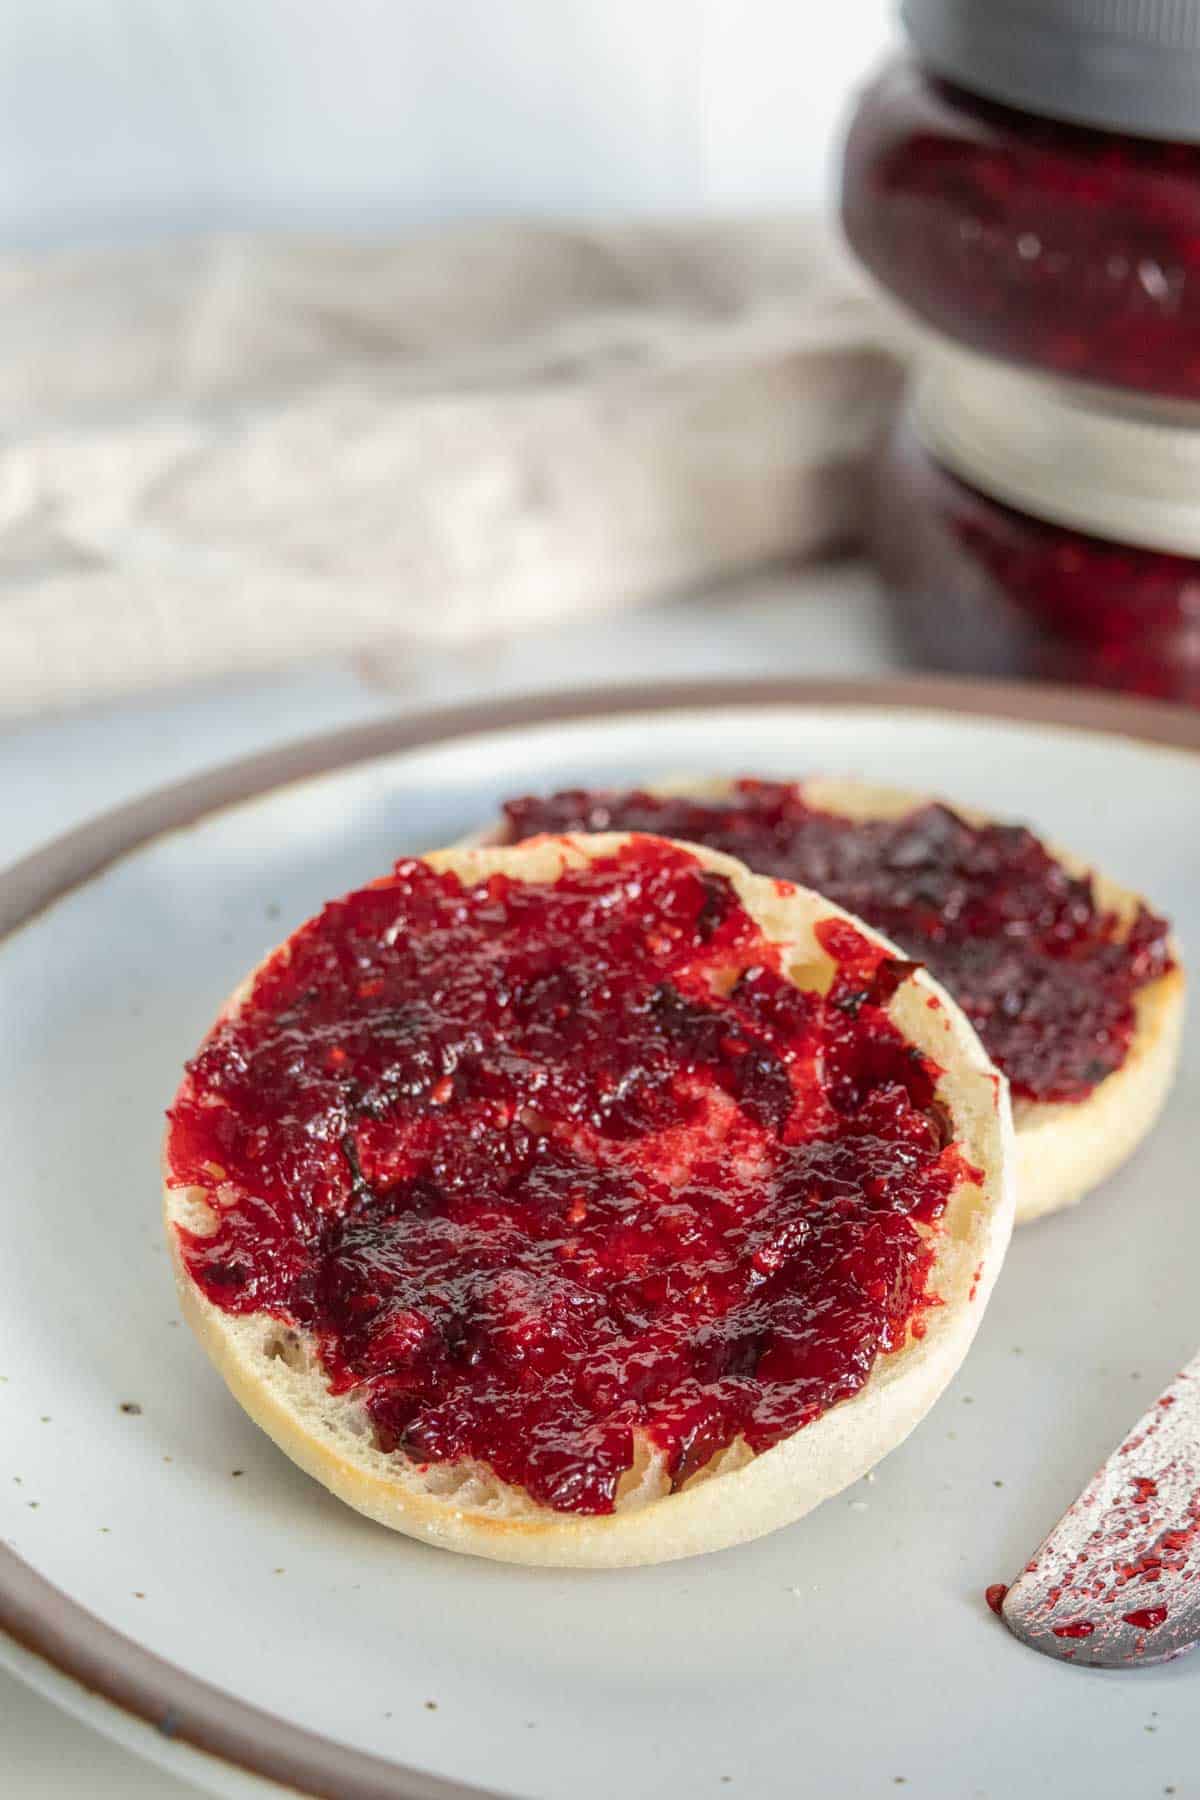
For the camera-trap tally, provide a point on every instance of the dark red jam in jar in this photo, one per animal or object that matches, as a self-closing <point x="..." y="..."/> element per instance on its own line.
<point x="550" y="1168"/>
<point x="1046" y="976"/>
<point x="1032" y="536"/>
<point x="1055" y="245"/>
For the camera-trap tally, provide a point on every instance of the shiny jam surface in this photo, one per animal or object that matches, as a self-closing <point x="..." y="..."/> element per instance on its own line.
<point x="1146" y="1618"/>
<point x="1053" y="245"/>
<point x="547" y="1166"/>
<point x="983" y="588"/>
<point x="1045" y="976"/>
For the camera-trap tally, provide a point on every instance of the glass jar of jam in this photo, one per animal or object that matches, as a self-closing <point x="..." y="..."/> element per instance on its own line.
<point x="1024" y="531"/>
<point x="1028" y="183"/>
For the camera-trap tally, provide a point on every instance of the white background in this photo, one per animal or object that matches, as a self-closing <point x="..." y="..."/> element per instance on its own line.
<point x="124" y="118"/>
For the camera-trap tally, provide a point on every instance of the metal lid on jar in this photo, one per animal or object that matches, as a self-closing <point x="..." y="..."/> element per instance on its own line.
<point x="1123" y="65"/>
<point x="1060" y="453"/>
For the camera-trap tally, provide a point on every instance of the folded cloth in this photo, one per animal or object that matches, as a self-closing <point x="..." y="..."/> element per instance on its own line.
<point x="229" y="453"/>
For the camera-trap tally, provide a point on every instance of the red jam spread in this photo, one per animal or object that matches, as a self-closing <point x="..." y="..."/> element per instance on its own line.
<point x="1046" y="977"/>
<point x="1146" y="1618"/>
<point x="983" y="588"/>
<point x="1058" y="246"/>
<point x="545" y="1166"/>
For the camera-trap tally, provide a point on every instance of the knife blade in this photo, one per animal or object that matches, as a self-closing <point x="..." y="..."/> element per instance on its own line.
<point x="1117" y="1582"/>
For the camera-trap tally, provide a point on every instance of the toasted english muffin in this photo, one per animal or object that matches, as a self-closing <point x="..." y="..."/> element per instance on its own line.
<point x="223" y="1228"/>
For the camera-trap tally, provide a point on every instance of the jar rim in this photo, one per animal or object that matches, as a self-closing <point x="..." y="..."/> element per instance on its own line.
<point x="1120" y="65"/>
<point x="1115" y="469"/>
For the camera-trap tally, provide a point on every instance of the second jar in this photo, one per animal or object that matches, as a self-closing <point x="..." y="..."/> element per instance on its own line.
<point x="1024" y="531"/>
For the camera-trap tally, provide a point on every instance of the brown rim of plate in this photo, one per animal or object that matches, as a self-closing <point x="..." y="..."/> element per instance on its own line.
<point x="46" y="1622"/>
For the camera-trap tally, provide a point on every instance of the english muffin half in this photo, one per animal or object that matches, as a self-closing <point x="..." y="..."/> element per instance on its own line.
<point x="589" y="1202"/>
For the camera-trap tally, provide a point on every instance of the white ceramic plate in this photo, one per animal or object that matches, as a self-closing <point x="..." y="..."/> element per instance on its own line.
<point x="262" y="1626"/>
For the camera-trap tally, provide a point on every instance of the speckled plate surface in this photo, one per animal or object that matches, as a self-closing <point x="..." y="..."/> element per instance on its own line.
<point x="166" y="1573"/>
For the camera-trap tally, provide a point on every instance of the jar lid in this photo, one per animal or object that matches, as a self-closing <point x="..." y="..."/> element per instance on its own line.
<point x="1124" y="65"/>
<point x="1058" y="453"/>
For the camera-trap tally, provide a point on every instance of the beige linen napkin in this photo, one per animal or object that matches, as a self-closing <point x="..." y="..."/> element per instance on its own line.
<point x="226" y="454"/>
